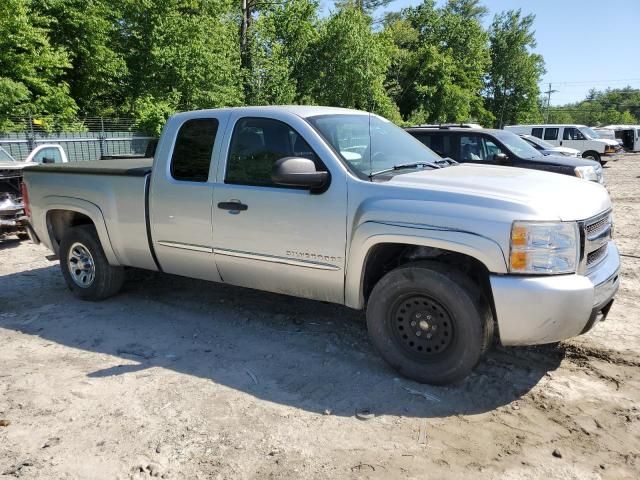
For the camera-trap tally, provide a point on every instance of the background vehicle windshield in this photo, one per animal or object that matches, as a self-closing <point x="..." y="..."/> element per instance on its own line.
<point x="5" y="157"/>
<point x="388" y="145"/>
<point x="587" y="132"/>
<point x="517" y="145"/>
<point x="537" y="141"/>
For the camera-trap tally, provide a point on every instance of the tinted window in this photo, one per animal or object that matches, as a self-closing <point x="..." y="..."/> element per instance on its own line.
<point x="571" y="133"/>
<point x="192" y="152"/>
<point x="551" y="134"/>
<point x="536" y="132"/>
<point x="257" y="143"/>
<point x="441" y="143"/>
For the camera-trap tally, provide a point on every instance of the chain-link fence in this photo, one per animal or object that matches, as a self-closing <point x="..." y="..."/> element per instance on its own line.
<point x="92" y="138"/>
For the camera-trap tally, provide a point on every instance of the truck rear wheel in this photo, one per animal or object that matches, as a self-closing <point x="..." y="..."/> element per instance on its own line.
<point x="85" y="267"/>
<point x="429" y="322"/>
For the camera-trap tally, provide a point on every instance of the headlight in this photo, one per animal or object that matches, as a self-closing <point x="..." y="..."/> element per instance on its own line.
<point x="588" y="173"/>
<point x="544" y="247"/>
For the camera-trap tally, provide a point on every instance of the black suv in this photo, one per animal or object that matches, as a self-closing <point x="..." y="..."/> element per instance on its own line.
<point x="500" y="147"/>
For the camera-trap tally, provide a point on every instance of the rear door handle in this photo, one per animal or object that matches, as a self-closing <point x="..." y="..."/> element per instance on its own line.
<point x="234" y="206"/>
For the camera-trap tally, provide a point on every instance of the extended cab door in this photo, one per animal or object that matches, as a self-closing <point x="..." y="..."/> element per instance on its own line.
<point x="181" y="194"/>
<point x="280" y="239"/>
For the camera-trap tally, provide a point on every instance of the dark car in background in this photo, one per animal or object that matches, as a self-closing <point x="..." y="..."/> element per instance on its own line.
<point x="466" y="144"/>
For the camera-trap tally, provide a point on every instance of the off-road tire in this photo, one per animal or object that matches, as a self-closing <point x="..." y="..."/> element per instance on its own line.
<point x="108" y="279"/>
<point x="447" y="293"/>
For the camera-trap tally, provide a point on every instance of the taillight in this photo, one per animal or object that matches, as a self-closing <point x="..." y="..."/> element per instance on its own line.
<point x="25" y="199"/>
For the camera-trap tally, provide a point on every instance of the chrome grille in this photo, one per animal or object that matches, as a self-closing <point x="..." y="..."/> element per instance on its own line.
<point x="596" y="236"/>
<point x="598" y="226"/>
<point x="597" y="255"/>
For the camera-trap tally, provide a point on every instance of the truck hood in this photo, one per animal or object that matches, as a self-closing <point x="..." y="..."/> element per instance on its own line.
<point x="541" y="195"/>
<point x="607" y="141"/>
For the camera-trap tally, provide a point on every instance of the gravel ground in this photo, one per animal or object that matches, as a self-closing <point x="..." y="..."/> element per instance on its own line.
<point x="177" y="378"/>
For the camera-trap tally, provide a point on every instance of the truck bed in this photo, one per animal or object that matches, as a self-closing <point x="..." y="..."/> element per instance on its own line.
<point x="131" y="167"/>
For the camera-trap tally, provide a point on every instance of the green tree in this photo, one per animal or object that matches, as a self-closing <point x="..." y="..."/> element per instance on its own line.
<point x="279" y="39"/>
<point x="87" y="30"/>
<point x="439" y="62"/>
<point x="31" y="70"/>
<point x="348" y="65"/>
<point x="181" y="55"/>
<point x="512" y="83"/>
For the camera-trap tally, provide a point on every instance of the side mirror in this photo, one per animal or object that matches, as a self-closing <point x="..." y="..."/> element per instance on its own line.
<point x="501" y="158"/>
<point x="298" y="172"/>
<point x="48" y="160"/>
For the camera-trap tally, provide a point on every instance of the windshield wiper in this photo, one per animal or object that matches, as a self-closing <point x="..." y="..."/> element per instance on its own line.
<point x="404" y="166"/>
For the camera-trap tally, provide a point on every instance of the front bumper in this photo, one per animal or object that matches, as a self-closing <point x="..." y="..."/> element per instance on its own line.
<point x="533" y="310"/>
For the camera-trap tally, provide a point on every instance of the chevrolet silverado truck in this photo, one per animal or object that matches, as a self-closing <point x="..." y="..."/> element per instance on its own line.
<point x="342" y="206"/>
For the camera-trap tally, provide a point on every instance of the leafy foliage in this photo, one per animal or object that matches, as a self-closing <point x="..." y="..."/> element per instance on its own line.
<point x="31" y="69"/>
<point x="608" y="107"/>
<point x="512" y="83"/>
<point x="150" y="58"/>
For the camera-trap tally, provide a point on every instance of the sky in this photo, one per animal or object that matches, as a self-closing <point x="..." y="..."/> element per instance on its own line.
<point x="585" y="43"/>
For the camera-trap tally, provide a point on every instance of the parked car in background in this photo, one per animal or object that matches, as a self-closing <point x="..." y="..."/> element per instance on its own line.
<point x="12" y="219"/>
<point x="580" y="137"/>
<point x="47" y="153"/>
<point x="627" y="135"/>
<point x="500" y="147"/>
<point x="350" y="209"/>
<point x="547" y="149"/>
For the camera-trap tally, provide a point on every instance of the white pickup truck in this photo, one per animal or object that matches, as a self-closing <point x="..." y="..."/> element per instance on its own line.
<point x="342" y="206"/>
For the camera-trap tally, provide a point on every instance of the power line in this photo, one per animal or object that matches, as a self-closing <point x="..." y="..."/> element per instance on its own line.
<point x="588" y="82"/>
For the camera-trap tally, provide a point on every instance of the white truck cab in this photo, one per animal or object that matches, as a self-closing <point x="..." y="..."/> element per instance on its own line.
<point x="47" y="153"/>
<point x="579" y="137"/>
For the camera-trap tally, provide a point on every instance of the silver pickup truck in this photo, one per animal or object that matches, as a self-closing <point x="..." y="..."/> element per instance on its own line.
<point x="342" y="206"/>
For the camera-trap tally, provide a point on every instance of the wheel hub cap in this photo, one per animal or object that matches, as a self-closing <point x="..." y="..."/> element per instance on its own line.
<point x="81" y="265"/>
<point x="422" y="326"/>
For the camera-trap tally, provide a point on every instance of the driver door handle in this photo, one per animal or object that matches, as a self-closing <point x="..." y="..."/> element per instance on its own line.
<point x="233" y="206"/>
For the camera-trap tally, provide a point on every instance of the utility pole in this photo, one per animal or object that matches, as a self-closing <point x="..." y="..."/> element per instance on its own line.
<point x="549" y="92"/>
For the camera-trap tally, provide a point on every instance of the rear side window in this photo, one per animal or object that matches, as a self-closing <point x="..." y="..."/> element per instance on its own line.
<point x="551" y="133"/>
<point x="258" y="143"/>
<point x="441" y="143"/>
<point x="192" y="153"/>
<point x="536" y="132"/>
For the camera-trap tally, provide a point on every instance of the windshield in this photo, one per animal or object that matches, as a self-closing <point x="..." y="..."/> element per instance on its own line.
<point x="5" y="157"/>
<point x="517" y="145"/>
<point x="587" y="132"/>
<point x="386" y="147"/>
<point x="539" y="142"/>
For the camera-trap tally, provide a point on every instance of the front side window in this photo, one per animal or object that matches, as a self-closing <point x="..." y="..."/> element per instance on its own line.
<point x="48" y="155"/>
<point x="194" y="146"/>
<point x="571" y="133"/>
<point x="472" y="148"/>
<point x="369" y="143"/>
<point x="551" y="133"/>
<point x="258" y="143"/>
<point x="536" y="132"/>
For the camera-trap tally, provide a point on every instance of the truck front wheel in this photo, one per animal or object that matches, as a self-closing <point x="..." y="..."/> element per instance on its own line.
<point x="429" y="322"/>
<point x="85" y="267"/>
<point x="591" y="155"/>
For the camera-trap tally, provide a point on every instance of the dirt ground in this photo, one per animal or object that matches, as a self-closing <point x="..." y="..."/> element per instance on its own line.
<point x="178" y="378"/>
